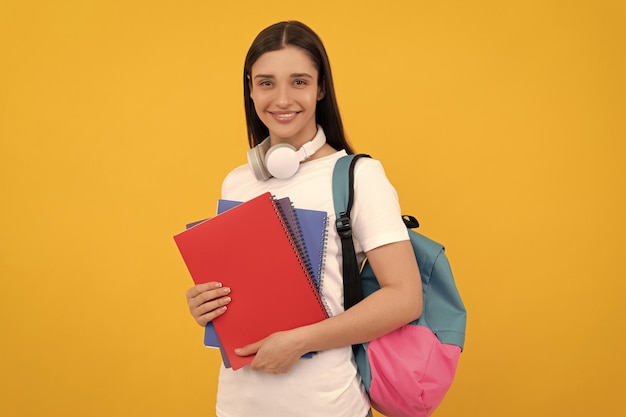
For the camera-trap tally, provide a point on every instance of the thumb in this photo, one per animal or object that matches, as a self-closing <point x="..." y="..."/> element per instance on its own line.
<point x="248" y="350"/>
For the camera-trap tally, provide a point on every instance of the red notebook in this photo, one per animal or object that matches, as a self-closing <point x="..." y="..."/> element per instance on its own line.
<point x="249" y="249"/>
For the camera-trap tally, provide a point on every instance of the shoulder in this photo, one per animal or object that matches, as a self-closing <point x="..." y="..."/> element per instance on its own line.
<point x="235" y="179"/>
<point x="370" y="182"/>
<point x="376" y="210"/>
<point x="365" y="164"/>
<point x="370" y="173"/>
<point x="242" y="172"/>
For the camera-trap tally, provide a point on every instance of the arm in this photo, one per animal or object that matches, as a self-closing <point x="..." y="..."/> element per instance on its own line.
<point x="398" y="302"/>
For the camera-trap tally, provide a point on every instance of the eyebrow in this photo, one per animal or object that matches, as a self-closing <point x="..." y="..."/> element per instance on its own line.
<point x="295" y="75"/>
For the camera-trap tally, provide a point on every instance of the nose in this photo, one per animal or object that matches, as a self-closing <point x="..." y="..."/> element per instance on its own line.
<point x="283" y="98"/>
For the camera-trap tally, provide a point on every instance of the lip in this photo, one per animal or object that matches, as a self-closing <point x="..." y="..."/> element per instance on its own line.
<point x="284" y="116"/>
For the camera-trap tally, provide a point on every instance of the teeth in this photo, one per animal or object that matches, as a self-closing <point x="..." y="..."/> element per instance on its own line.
<point x="284" y="115"/>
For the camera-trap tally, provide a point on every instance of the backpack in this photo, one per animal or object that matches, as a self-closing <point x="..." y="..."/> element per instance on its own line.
<point x="407" y="372"/>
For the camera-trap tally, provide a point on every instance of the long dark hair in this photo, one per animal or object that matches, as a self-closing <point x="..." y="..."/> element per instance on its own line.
<point x="274" y="38"/>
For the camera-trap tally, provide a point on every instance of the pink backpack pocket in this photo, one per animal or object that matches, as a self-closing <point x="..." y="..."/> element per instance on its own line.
<point x="411" y="371"/>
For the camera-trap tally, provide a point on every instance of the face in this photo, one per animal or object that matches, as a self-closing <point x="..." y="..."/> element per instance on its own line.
<point x="284" y="89"/>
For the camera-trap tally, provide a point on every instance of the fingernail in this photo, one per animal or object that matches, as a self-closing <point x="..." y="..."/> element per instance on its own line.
<point x="225" y="290"/>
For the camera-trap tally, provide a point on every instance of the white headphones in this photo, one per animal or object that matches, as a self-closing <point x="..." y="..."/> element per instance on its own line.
<point x="282" y="160"/>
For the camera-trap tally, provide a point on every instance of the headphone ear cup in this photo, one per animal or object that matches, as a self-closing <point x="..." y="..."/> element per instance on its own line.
<point x="282" y="161"/>
<point x="256" y="157"/>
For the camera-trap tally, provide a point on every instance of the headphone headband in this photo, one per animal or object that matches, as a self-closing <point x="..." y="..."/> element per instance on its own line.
<point x="314" y="145"/>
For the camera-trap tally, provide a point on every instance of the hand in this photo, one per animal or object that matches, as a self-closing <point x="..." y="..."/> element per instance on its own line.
<point x="207" y="301"/>
<point x="276" y="354"/>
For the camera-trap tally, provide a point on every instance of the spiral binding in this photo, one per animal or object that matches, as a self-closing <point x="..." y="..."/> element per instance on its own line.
<point x="322" y="263"/>
<point x="322" y="258"/>
<point x="296" y="232"/>
<point x="296" y="246"/>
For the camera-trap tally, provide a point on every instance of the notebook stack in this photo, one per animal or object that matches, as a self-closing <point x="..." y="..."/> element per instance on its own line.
<point x="271" y="255"/>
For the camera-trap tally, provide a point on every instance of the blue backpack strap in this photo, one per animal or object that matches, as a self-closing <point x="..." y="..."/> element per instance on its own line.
<point x="343" y="175"/>
<point x="340" y="184"/>
<point x="343" y="196"/>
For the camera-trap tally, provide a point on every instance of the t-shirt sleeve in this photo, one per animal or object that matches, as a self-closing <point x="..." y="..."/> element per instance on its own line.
<point x="376" y="217"/>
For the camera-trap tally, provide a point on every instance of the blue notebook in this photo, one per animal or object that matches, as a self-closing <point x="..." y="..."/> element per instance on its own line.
<point x="309" y="229"/>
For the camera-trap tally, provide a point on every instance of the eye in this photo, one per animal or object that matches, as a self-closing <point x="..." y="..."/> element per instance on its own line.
<point x="300" y="82"/>
<point x="265" y="83"/>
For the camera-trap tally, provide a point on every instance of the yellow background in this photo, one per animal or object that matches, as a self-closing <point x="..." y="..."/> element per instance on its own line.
<point x="500" y="123"/>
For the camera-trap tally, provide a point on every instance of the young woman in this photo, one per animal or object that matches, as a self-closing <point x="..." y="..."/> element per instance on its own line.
<point x="290" y="99"/>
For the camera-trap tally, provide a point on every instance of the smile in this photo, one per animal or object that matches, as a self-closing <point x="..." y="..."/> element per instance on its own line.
<point x="284" y="116"/>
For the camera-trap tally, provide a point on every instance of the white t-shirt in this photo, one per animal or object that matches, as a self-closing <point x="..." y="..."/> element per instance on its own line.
<point x="327" y="384"/>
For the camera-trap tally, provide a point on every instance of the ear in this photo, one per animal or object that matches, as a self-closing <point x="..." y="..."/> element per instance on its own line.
<point x="321" y="91"/>
<point x="249" y="84"/>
